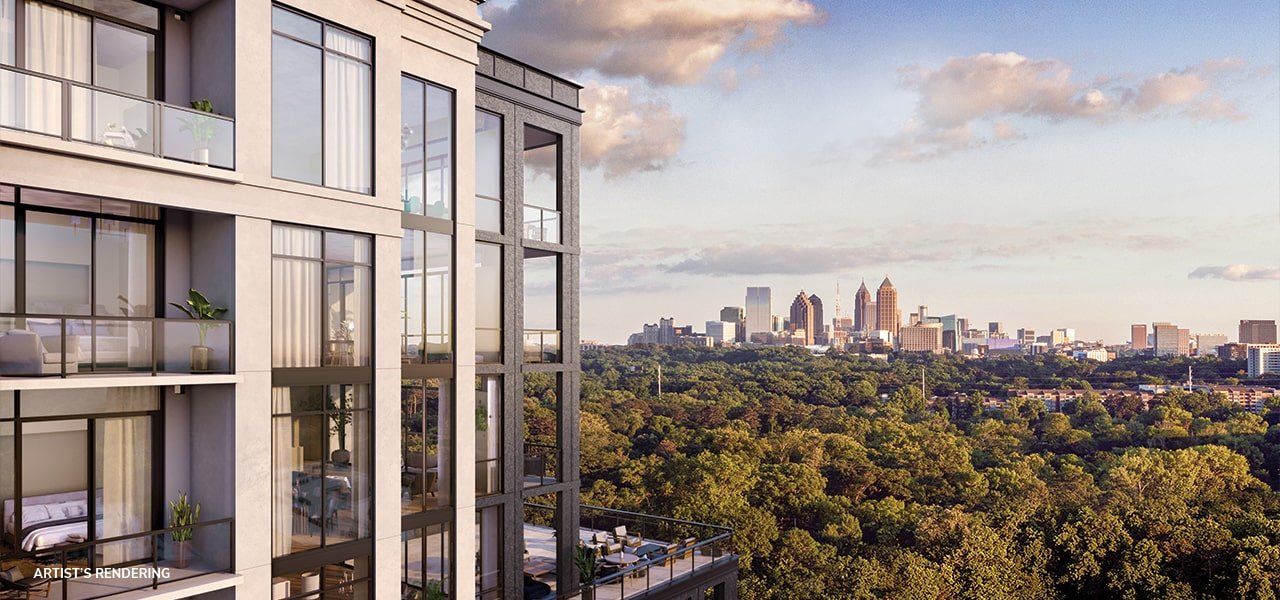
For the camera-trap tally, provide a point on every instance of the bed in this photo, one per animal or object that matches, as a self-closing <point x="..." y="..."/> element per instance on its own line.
<point x="50" y="519"/>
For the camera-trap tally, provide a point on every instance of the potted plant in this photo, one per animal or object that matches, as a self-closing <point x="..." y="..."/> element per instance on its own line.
<point x="182" y="516"/>
<point x="341" y="416"/>
<point x="584" y="558"/>
<point x="202" y="131"/>
<point x="199" y="308"/>
<point x="433" y="590"/>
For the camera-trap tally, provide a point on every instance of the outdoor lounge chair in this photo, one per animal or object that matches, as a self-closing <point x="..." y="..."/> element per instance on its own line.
<point x="13" y="580"/>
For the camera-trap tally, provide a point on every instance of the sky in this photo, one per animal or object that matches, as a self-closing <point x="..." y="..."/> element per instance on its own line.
<point x="1045" y="165"/>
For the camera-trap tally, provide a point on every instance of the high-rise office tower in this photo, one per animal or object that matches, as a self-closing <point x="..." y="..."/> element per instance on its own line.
<point x="1170" y="340"/>
<point x="1257" y="332"/>
<point x="862" y="317"/>
<point x="819" y="323"/>
<point x="802" y="317"/>
<point x="1208" y="344"/>
<point x="921" y="337"/>
<point x="759" y="311"/>
<point x="353" y="424"/>
<point x="1027" y="337"/>
<point x="1263" y="359"/>
<point x="1138" y="336"/>
<point x="888" y="317"/>
<point x="738" y="316"/>
<point x="995" y="328"/>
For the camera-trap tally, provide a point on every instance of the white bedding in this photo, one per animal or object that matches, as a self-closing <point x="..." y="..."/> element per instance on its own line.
<point x="48" y="537"/>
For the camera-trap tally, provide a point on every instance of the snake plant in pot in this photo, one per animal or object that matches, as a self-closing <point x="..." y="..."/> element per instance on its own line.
<point x="584" y="558"/>
<point x="181" y="517"/>
<point x="204" y="312"/>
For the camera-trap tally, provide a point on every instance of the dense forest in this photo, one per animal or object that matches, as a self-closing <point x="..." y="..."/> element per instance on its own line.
<point x="841" y="481"/>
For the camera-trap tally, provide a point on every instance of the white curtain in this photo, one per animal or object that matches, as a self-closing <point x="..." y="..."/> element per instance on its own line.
<point x="348" y="118"/>
<point x="295" y="298"/>
<point x="125" y="455"/>
<point x="284" y="458"/>
<point x="8" y="32"/>
<point x="58" y="44"/>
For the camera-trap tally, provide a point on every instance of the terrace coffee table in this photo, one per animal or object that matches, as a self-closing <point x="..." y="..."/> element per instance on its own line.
<point x="621" y="558"/>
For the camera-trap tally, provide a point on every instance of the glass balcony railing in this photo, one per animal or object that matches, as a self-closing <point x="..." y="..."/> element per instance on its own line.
<point x="74" y="111"/>
<point x="541" y="224"/>
<point x="541" y="345"/>
<point x="635" y="553"/>
<point x="539" y="464"/>
<point x="56" y="345"/>
<point x="142" y="561"/>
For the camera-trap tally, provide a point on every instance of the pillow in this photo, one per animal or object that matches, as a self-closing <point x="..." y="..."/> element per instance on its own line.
<point x="12" y="575"/>
<point x="36" y="513"/>
<point x="66" y="510"/>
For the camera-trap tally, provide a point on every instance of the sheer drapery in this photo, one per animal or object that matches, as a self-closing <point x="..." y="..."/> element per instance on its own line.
<point x="8" y="31"/>
<point x="348" y="118"/>
<point x="286" y="457"/>
<point x="58" y="43"/>
<point x="124" y="460"/>
<point x="295" y="298"/>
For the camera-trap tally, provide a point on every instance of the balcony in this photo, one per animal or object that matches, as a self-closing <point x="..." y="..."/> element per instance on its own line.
<point x="72" y="111"/>
<point x="637" y="555"/>
<point x="62" y="346"/>
<point x="539" y="464"/>
<point x="161" y="564"/>
<point x="541" y="345"/>
<point x="541" y="224"/>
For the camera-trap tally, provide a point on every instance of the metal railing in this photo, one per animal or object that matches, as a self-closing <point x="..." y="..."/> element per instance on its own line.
<point x="82" y="576"/>
<point x="664" y="550"/>
<point x="541" y="224"/>
<point x="541" y="345"/>
<point x="63" y="345"/>
<point x="74" y="111"/>
<point x="539" y="464"/>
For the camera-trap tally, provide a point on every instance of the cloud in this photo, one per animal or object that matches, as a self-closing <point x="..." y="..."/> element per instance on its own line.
<point x="796" y="260"/>
<point x="956" y="100"/>
<point x="1236" y="272"/>
<point x="665" y="42"/>
<point x="626" y="134"/>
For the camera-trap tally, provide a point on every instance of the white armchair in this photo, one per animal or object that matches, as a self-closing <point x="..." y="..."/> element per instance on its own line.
<point x="23" y="352"/>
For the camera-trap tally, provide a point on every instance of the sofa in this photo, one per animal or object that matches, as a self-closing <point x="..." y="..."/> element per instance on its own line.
<point x="24" y="352"/>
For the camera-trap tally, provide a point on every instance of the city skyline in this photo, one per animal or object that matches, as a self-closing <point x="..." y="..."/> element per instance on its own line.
<point x="1127" y="176"/>
<point x="1231" y="332"/>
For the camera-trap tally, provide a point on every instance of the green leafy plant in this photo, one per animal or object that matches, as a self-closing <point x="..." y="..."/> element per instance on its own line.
<point x="584" y="557"/>
<point x="199" y="308"/>
<point x="340" y="414"/>
<point x="183" y="516"/>
<point x="433" y="590"/>
<point x="200" y="127"/>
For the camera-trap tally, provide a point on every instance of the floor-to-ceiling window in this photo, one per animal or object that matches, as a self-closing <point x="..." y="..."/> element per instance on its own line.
<point x="322" y="411"/>
<point x="70" y="459"/>
<point x="321" y="103"/>
<point x="428" y="400"/>
<point x="489" y="143"/>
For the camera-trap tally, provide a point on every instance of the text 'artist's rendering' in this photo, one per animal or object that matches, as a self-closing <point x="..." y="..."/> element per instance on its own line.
<point x="289" y="309"/>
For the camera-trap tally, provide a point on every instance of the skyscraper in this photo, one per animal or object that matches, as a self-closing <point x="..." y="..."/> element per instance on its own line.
<point x="802" y="317"/>
<point x="759" y="310"/>
<point x="888" y="318"/>
<point x="1138" y="336"/>
<point x="330" y="460"/>
<point x="819" y="324"/>
<point x="1170" y="340"/>
<point x="738" y="316"/>
<point x="862" y="319"/>
<point x="1257" y="332"/>
<point x="995" y="328"/>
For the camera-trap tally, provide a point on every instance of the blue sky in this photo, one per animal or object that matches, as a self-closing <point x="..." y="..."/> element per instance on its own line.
<point x="1041" y="165"/>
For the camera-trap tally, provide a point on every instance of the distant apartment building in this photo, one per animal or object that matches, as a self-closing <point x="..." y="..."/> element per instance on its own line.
<point x="1027" y="337"/>
<point x="1170" y="340"/>
<point x="921" y="337"/>
<point x="1263" y="359"/>
<point x="1208" y="344"/>
<point x="721" y="332"/>
<point x="1098" y="354"/>
<point x="1233" y="351"/>
<point x="738" y="316"/>
<point x="1138" y="336"/>
<point x="1249" y="397"/>
<point x="759" y="310"/>
<point x="1257" y="332"/>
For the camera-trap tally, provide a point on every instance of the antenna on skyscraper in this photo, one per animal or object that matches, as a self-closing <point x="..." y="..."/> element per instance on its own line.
<point x="837" y="300"/>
